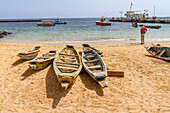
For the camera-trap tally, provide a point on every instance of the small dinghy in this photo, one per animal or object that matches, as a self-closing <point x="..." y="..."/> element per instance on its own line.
<point x="160" y="52"/>
<point x="67" y="65"/>
<point x="31" y="54"/>
<point x="58" y="21"/>
<point x="94" y="66"/>
<point x="151" y="26"/>
<point x="134" y="25"/>
<point x="42" y="61"/>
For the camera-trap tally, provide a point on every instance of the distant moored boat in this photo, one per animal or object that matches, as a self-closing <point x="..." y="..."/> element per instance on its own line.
<point x="134" y="25"/>
<point x="46" y="23"/>
<point x="103" y="22"/>
<point x="151" y="26"/>
<point x="58" y="21"/>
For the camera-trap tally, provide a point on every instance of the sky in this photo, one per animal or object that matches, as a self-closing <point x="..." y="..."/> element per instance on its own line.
<point x="16" y="9"/>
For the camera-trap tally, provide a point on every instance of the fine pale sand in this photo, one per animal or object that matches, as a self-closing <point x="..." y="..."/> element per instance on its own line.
<point x="144" y="88"/>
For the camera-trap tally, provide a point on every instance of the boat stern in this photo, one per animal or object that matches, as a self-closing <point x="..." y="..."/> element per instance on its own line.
<point x="101" y="80"/>
<point x="20" y="54"/>
<point x="66" y="79"/>
<point x="103" y="83"/>
<point x="65" y="84"/>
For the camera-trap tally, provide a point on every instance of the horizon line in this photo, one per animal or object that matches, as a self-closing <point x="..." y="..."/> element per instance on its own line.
<point x="67" y="17"/>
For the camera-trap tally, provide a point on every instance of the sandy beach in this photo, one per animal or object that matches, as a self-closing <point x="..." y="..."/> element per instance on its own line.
<point x="145" y="87"/>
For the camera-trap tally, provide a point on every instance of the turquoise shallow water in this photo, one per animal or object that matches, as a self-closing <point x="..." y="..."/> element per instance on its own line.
<point x="80" y="29"/>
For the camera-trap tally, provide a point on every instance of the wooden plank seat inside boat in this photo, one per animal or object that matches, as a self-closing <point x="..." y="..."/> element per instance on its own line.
<point x="65" y="75"/>
<point x="64" y="65"/>
<point x="70" y="63"/>
<point x="67" y="65"/>
<point x="67" y="68"/>
<point x="96" y="71"/>
<point x="95" y="67"/>
<point x="68" y="55"/>
<point x="149" y="47"/>
<point x="90" y="61"/>
<point x="90" y="56"/>
<point x="87" y="51"/>
<point x="43" y="57"/>
<point x="158" y="51"/>
<point x="162" y="53"/>
<point x="68" y="59"/>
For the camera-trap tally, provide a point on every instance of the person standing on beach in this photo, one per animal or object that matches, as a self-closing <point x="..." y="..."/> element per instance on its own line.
<point x="143" y="31"/>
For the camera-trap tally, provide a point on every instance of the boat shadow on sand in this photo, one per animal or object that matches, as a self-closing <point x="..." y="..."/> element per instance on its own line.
<point x="53" y="88"/>
<point x="20" y="61"/>
<point x="56" y="92"/>
<point x="90" y="83"/>
<point x="28" y="73"/>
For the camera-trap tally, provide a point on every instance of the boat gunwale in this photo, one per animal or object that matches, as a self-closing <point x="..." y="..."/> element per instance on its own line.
<point x="157" y="56"/>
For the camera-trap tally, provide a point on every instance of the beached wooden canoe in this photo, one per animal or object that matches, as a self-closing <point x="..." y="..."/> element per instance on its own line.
<point x="94" y="66"/>
<point x="88" y="46"/>
<point x="30" y="54"/>
<point x="67" y="65"/>
<point x="160" y="52"/>
<point x="151" y="26"/>
<point x="42" y="61"/>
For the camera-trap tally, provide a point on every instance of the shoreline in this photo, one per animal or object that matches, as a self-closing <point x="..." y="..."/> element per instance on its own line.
<point x="93" y="43"/>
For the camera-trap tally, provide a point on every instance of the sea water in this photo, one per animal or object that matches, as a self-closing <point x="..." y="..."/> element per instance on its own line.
<point x="80" y="29"/>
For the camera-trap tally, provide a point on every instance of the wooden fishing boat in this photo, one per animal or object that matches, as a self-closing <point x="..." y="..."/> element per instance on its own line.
<point x="134" y="25"/>
<point x="42" y="61"/>
<point x="94" y="66"/>
<point x="46" y="23"/>
<point x="151" y="26"/>
<point x="58" y="21"/>
<point x="160" y="52"/>
<point x="30" y="54"/>
<point x="88" y="46"/>
<point x="103" y="22"/>
<point x="67" y="65"/>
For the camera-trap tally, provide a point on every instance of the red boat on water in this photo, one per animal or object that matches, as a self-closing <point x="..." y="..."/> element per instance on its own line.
<point x="103" y="22"/>
<point x="46" y="23"/>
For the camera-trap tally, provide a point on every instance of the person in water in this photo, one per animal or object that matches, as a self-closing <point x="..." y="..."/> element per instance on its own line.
<point x="143" y="31"/>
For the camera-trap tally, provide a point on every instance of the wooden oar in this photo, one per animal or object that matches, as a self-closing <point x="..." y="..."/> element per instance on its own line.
<point x="114" y="73"/>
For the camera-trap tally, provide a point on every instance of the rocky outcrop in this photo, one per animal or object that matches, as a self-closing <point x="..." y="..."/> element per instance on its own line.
<point x="4" y="33"/>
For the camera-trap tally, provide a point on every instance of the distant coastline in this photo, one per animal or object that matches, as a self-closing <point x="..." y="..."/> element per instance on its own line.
<point x="51" y="18"/>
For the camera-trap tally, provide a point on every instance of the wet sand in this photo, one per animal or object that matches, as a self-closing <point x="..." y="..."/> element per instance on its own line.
<point x="144" y="88"/>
